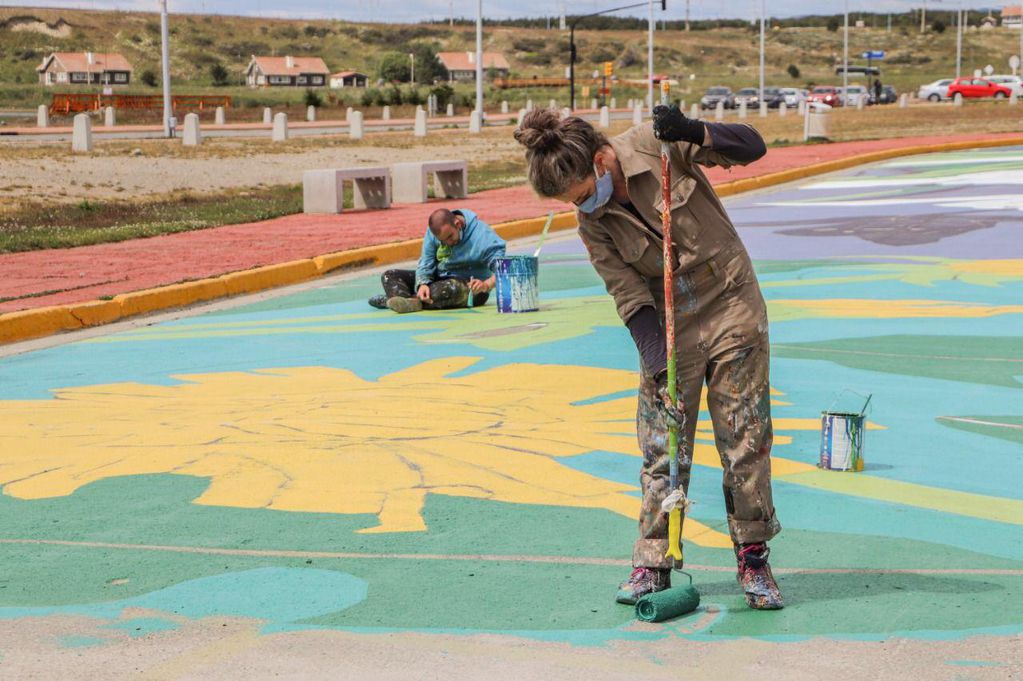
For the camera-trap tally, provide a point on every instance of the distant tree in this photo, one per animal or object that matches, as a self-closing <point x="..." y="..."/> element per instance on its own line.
<point x="312" y="98"/>
<point x="219" y="74"/>
<point x="148" y="77"/>
<point x="395" y="67"/>
<point x="833" y="24"/>
<point x="444" y="94"/>
<point x="793" y="70"/>
<point x="429" y="68"/>
<point x="938" y="26"/>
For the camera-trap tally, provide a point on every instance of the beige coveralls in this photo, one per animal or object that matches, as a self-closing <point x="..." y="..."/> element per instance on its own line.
<point x="720" y="332"/>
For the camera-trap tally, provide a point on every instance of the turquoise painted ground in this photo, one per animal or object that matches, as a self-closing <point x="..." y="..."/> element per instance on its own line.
<point x="232" y="462"/>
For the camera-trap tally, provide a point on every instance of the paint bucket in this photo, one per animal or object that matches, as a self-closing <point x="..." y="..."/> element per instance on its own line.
<point x="517" y="288"/>
<point x="842" y="439"/>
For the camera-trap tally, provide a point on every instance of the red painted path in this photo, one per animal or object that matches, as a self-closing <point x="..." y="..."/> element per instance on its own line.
<point x="58" y="276"/>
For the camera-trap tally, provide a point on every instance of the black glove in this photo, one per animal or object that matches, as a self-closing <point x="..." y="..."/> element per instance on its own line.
<point x="671" y="125"/>
<point x="674" y="415"/>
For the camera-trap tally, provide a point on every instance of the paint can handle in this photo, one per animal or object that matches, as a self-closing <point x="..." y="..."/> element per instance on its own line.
<point x="835" y="397"/>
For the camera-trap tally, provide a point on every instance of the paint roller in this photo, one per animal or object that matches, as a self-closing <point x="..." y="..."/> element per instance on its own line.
<point x="676" y="601"/>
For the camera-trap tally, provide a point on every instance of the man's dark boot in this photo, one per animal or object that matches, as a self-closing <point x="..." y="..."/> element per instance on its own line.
<point x="755" y="576"/>
<point x="379" y="302"/>
<point x="641" y="582"/>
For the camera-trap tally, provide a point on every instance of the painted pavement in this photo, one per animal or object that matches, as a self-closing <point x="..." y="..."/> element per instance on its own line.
<point x="313" y="463"/>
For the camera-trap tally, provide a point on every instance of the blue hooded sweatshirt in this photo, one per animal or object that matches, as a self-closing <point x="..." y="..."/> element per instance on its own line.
<point x="473" y="256"/>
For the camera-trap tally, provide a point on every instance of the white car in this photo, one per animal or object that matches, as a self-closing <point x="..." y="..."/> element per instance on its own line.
<point x="1013" y="82"/>
<point x="793" y="96"/>
<point x="854" y="95"/>
<point x="936" y="91"/>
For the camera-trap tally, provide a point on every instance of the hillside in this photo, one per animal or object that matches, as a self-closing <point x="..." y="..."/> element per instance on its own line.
<point x="725" y="55"/>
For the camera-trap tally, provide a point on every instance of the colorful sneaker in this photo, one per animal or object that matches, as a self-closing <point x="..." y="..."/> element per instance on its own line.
<point x="404" y="305"/>
<point x="755" y="577"/>
<point x="641" y="582"/>
<point x="379" y="302"/>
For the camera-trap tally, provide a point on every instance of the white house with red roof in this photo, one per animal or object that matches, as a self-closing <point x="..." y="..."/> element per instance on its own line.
<point x="286" y="72"/>
<point x="85" y="68"/>
<point x="1012" y="17"/>
<point x="343" y="79"/>
<point x="462" y="65"/>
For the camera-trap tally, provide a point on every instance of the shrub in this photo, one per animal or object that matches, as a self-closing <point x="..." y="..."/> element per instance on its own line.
<point x="395" y="67"/>
<point x="444" y="94"/>
<point x="793" y="70"/>
<point x="369" y="96"/>
<point x="938" y="26"/>
<point x="833" y="24"/>
<point x="313" y="98"/>
<point x="148" y="77"/>
<point x="219" y="75"/>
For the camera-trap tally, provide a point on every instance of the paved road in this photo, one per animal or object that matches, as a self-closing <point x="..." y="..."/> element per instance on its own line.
<point x="308" y="487"/>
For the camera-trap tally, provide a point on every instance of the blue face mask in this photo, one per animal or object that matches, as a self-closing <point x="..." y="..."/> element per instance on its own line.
<point x="605" y="187"/>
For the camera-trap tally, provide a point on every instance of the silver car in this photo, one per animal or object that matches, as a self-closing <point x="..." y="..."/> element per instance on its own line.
<point x="793" y="96"/>
<point x="936" y="91"/>
<point x="1013" y="82"/>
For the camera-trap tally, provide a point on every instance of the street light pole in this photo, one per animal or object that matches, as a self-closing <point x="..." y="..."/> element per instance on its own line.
<point x="763" y="13"/>
<point x="959" y="40"/>
<point x="412" y="60"/>
<point x="479" y="58"/>
<point x="165" y="56"/>
<point x="650" y="56"/>
<point x="845" y="58"/>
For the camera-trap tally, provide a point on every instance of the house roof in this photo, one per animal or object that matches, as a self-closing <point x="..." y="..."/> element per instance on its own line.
<point x="348" y="74"/>
<point x="1012" y="10"/>
<point x="466" y="61"/>
<point x="79" y="61"/>
<point x="278" y="66"/>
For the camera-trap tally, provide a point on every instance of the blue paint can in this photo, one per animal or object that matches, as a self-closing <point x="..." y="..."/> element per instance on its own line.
<point x="517" y="287"/>
<point x="842" y="440"/>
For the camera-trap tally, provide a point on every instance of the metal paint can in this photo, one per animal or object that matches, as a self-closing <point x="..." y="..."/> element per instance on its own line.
<point x="842" y="441"/>
<point x="517" y="287"/>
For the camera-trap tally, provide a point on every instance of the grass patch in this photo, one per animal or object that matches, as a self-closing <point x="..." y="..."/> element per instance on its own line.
<point x="93" y="222"/>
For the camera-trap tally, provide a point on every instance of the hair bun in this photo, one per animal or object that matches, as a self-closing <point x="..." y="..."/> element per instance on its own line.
<point x="540" y="130"/>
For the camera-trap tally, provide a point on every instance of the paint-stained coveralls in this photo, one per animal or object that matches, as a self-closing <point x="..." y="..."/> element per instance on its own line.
<point x="720" y="318"/>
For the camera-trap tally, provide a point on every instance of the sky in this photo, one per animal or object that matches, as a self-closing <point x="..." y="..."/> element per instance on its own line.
<point x="419" y="10"/>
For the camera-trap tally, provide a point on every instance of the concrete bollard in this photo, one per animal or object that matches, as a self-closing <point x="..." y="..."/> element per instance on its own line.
<point x="637" y="114"/>
<point x="268" y="116"/>
<point x="565" y="112"/>
<point x="43" y="116"/>
<point x="280" y="131"/>
<point x="630" y="104"/>
<point x="682" y="105"/>
<point x="958" y="99"/>
<point x="348" y="114"/>
<point x="504" y="106"/>
<point x="109" y="117"/>
<point x="614" y="103"/>
<point x="860" y="103"/>
<point x="529" y="105"/>
<point x="605" y="117"/>
<point x="903" y="100"/>
<point x="475" y="121"/>
<point x="81" y="135"/>
<point x="192" y="135"/>
<point x="355" y="129"/>
<point x="694" y="112"/>
<point x="719" y="110"/>
<point x="219" y="116"/>
<point x="801" y="107"/>
<point x="522" y="114"/>
<point x="1013" y="101"/>
<point x="553" y="104"/>
<point x="782" y="110"/>
<point x="420" y="127"/>
<point x="451" y="110"/>
<point x="386" y="115"/>
<point x="594" y="104"/>
<point x="742" y="109"/>
<point x="763" y="109"/>
<point x="310" y="113"/>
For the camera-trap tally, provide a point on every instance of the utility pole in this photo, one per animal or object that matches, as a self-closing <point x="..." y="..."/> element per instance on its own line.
<point x="923" y="17"/>
<point x="959" y="40"/>
<point x="845" y="58"/>
<point x="451" y="12"/>
<point x="165" y="56"/>
<point x="479" y="59"/>
<point x="650" y="57"/>
<point x="763" y="14"/>
<point x="687" y="15"/>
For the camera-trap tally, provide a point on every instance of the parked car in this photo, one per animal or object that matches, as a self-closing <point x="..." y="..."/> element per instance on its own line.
<point x="750" y="95"/>
<point x="774" y="97"/>
<point x="826" y="94"/>
<point x="854" y="95"/>
<point x="793" y="96"/>
<point x="936" y="91"/>
<point x="888" y="95"/>
<point x="976" y="88"/>
<point x="714" y="95"/>
<point x="1015" y="83"/>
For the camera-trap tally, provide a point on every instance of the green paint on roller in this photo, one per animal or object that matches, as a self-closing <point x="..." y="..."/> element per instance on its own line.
<point x="668" y="604"/>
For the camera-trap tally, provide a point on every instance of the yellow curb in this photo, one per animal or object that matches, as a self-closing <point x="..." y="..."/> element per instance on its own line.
<point x="45" y="321"/>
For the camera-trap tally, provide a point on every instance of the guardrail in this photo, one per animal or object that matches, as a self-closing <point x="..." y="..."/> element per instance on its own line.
<point x="77" y="103"/>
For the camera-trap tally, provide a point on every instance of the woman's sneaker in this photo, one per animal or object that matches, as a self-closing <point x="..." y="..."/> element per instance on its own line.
<point x="404" y="305"/>
<point x="755" y="576"/>
<point x="641" y="582"/>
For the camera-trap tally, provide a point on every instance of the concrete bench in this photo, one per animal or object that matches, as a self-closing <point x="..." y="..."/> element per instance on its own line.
<point x="451" y="180"/>
<point x="323" y="190"/>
